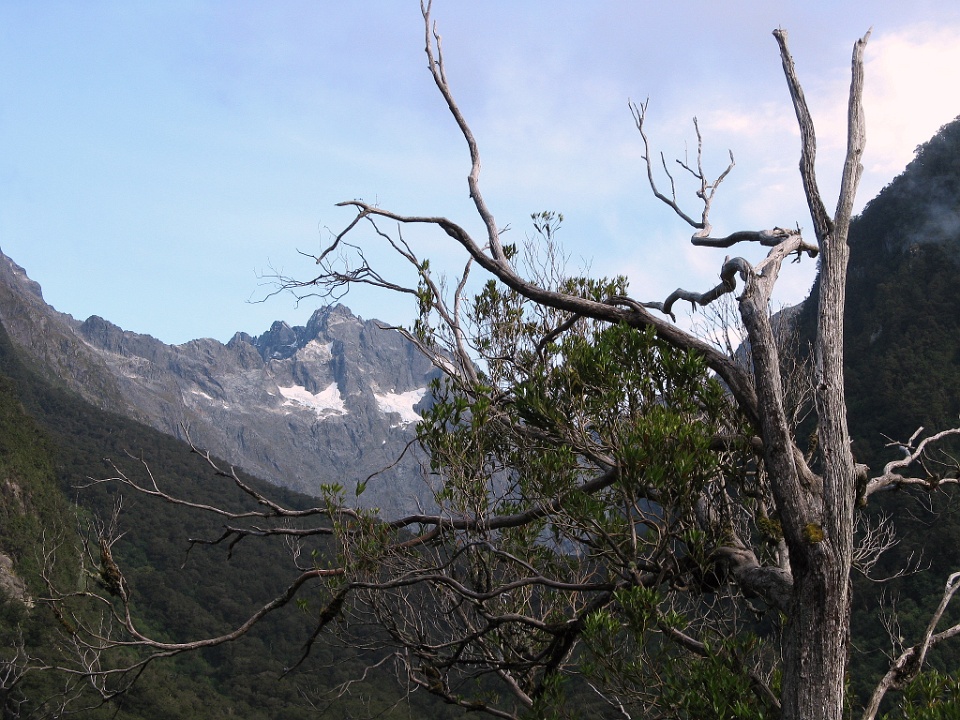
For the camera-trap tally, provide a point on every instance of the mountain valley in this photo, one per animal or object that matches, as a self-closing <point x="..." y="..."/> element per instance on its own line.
<point x="332" y="402"/>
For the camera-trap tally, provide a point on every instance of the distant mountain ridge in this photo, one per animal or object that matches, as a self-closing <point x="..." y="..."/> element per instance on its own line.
<point x="330" y="402"/>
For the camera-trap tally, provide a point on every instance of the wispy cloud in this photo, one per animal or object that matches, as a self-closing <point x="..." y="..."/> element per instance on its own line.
<point x="913" y="88"/>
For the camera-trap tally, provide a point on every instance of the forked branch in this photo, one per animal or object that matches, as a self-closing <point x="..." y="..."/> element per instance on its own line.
<point x="917" y="454"/>
<point x="910" y="662"/>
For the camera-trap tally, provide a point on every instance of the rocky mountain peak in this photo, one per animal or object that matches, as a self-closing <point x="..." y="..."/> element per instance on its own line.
<point x="18" y="275"/>
<point x="329" y="402"/>
<point x="282" y="341"/>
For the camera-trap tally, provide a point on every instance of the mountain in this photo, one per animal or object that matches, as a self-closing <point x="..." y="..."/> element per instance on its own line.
<point x="51" y="443"/>
<point x="332" y="402"/>
<point x="902" y="330"/>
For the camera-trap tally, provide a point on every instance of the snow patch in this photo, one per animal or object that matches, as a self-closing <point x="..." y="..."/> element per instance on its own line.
<point x="324" y="403"/>
<point x="201" y="394"/>
<point x="316" y="351"/>
<point x="401" y="404"/>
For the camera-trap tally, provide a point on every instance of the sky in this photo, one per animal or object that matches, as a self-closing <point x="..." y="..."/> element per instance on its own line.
<point x="160" y="161"/>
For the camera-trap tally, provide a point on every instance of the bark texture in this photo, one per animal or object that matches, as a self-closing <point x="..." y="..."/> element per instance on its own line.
<point x="817" y="642"/>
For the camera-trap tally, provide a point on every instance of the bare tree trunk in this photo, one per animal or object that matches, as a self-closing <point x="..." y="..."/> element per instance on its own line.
<point x="815" y="644"/>
<point x="817" y="636"/>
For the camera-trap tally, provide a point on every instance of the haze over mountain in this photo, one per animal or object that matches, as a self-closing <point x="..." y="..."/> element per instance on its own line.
<point x="331" y="402"/>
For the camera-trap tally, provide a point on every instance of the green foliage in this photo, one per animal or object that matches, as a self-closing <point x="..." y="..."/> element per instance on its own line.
<point x="708" y="687"/>
<point x="547" y="223"/>
<point x="551" y="414"/>
<point x="629" y="649"/>
<point x="929" y="696"/>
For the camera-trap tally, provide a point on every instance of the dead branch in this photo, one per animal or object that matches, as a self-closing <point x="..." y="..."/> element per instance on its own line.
<point x="910" y="662"/>
<point x="892" y="478"/>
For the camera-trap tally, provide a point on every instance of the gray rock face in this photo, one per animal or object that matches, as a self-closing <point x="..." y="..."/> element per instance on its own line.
<point x="11" y="585"/>
<point x="332" y="402"/>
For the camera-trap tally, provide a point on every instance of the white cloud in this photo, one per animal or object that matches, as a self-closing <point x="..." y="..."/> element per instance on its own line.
<point x="912" y="89"/>
<point x="764" y="118"/>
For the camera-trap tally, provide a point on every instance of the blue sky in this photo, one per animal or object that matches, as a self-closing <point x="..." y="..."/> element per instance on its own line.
<point x="158" y="158"/>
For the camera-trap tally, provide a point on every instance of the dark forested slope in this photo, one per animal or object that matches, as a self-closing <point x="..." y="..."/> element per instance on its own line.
<point x="903" y="306"/>
<point x="51" y="443"/>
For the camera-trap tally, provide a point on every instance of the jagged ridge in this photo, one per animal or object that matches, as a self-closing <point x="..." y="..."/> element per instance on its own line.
<point x="330" y="402"/>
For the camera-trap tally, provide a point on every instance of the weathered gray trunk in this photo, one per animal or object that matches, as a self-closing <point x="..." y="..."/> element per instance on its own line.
<point x="816" y="640"/>
<point x="816" y="511"/>
<point x="819" y="540"/>
<point x="817" y="634"/>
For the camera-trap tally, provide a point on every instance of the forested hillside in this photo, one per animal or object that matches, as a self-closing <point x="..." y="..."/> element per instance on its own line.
<point x="51" y="443"/>
<point x="903" y="309"/>
<point x="902" y="337"/>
